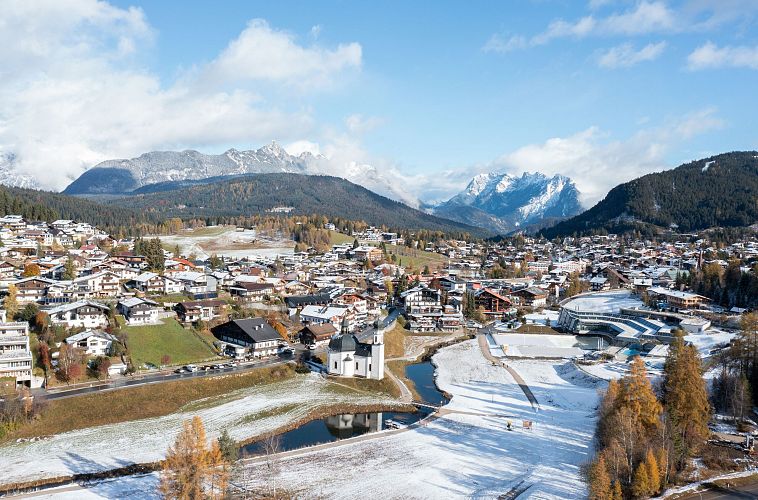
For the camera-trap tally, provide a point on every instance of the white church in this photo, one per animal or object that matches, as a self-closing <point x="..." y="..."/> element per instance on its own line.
<point x="347" y="357"/>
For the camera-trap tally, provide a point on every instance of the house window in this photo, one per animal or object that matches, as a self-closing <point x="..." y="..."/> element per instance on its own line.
<point x="369" y="367"/>
<point x="335" y="365"/>
<point x="356" y="365"/>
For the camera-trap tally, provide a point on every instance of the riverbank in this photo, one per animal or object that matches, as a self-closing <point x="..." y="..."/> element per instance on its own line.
<point x="114" y="446"/>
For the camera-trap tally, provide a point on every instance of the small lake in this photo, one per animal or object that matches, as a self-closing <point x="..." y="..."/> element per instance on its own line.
<point x="344" y="426"/>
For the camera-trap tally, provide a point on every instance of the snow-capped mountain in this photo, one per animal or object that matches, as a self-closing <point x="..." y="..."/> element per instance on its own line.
<point x="10" y="176"/>
<point x="125" y="176"/>
<point x="502" y="202"/>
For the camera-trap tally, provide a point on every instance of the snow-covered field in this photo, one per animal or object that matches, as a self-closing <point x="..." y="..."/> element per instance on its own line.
<point x="227" y="241"/>
<point x="520" y="345"/>
<point x="604" y="302"/>
<point x="471" y="453"/>
<point x="468" y="453"/>
<point x="709" y="339"/>
<point x="245" y="413"/>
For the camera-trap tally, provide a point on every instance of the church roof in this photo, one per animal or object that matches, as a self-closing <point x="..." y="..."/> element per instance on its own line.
<point x="343" y="343"/>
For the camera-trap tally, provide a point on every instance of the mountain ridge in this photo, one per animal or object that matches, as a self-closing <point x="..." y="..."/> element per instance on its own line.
<point x="503" y="203"/>
<point x="720" y="190"/>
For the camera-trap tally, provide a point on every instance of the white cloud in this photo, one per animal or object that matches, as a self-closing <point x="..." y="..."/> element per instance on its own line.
<point x="592" y="158"/>
<point x="297" y="148"/>
<point x="625" y="55"/>
<point x="710" y="55"/>
<point x="72" y="92"/>
<point x="644" y="18"/>
<point x="262" y="53"/>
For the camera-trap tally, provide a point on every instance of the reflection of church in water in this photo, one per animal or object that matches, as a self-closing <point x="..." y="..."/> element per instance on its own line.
<point x="349" y="425"/>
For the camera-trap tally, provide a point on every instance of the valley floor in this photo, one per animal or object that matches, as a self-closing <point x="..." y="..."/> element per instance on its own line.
<point x="466" y="452"/>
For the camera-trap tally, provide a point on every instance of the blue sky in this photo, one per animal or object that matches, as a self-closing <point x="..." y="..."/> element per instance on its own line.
<point x="429" y="93"/>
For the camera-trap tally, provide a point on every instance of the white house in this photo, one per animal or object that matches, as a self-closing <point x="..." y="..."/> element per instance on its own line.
<point x="84" y="314"/>
<point x="15" y="355"/>
<point x="139" y="311"/>
<point x="92" y="342"/>
<point x="347" y="357"/>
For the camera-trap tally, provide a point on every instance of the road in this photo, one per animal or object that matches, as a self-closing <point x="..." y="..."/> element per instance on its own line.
<point x="124" y="382"/>
<point x="481" y="337"/>
<point x="735" y="492"/>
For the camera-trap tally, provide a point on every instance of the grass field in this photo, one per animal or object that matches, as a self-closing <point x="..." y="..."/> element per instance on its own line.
<point x="154" y="400"/>
<point x="394" y="342"/>
<point x="337" y="238"/>
<point x="412" y="258"/>
<point x="147" y="344"/>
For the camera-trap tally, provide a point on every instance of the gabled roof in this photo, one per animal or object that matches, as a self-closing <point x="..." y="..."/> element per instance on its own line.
<point x="76" y="305"/>
<point x="246" y="330"/>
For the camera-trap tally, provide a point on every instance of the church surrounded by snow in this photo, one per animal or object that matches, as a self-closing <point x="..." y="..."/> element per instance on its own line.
<point x="348" y="357"/>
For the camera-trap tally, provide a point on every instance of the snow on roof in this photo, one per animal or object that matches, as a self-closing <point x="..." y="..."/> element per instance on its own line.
<point x="605" y="302"/>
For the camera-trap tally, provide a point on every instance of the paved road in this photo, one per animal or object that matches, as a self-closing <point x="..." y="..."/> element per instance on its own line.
<point x="123" y="382"/>
<point x="736" y="492"/>
<point x="520" y="381"/>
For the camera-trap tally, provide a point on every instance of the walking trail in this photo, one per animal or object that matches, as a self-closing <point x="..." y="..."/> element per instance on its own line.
<point x="485" y="347"/>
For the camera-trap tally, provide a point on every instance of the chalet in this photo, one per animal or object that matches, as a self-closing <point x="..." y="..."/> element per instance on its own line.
<point x="139" y="311"/>
<point x="80" y="314"/>
<point x="296" y="303"/>
<point x="676" y="300"/>
<point x="150" y="283"/>
<point x="599" y="283"/>
<point x="358" y="304"/>
<point x="92" y="342"/>
<point x="248" y="337"/>
<point x="251" y="292"/>
<point x="34" y="289"/>
<point x="531" y="297"/>
<point x="102" y="284"/>
<point x="200" y="310"/>
<point x="423" y="306"/>
<point x="194" y="282"/>
<point x="320" y="315"/>
<point x="367" y="253"/>
<point x="451" y="284"/>
<point x="317" y="334"/>
<point x="492" y="303"/>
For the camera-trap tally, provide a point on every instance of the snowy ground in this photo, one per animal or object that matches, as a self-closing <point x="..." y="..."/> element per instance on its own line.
<point x="465" y="454"/>
<point x="245" y="413"/>
<point x="538" y="346"/>
<point x="227" y="241"/>
<point x="541" y="317"/>
<point x="709" y="339"/>
<point x="604" y="302"/>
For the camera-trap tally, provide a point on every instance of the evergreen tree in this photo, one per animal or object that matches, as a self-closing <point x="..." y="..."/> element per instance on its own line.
<point x="69" y="271"/>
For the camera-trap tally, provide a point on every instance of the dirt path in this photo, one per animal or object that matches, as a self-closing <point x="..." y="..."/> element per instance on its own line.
<point x="484" y="346"/>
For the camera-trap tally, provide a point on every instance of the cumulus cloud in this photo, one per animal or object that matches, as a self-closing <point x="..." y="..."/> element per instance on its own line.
<point x="625" y="55"/>
<point x="262" y="53"/>
<point x="72" y="91"/>
<point x="709" y="55"/>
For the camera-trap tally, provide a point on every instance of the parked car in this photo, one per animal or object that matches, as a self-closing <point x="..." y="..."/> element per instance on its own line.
<point x="191" y="368"/>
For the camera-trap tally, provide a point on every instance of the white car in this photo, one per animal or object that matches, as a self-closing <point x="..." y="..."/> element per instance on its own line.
<point x="191" y="368"/>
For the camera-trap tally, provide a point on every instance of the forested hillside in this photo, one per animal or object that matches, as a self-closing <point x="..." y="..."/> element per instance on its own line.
<point x="47" y="206"/>
<point x="718" y="191"/>
<point x="307" y="194"/>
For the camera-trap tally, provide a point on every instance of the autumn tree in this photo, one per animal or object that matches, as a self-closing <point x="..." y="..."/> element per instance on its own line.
<point x="69" y="363"/>
<point x="30" y="270"/>
<point x="599" y="481"/>
<point x="192" y="470"/>
<point x="10" y="303"/>
<point x="686" y="399"/>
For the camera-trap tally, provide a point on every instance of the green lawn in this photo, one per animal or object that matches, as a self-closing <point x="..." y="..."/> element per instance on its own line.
<point x="147" y="344"/>
<point x="337" y="238"/>
<point x="417" y="259"/>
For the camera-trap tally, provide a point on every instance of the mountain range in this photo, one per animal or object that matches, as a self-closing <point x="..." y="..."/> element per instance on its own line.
<point x="159" y="167"/>
<point x="503" y="203"/>
<point x="719" y="191"/>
